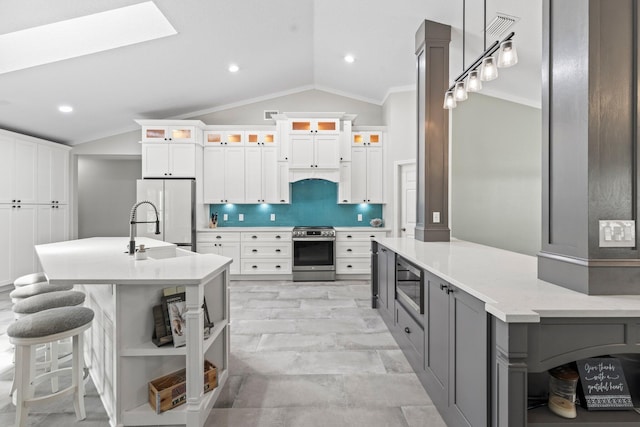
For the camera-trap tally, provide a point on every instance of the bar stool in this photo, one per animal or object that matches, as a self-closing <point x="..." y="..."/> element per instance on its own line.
<point x="46" y="301"/>
<point x="29" y="279"/>
<point x="40" y="328"/>
<point x="36" y="289"/>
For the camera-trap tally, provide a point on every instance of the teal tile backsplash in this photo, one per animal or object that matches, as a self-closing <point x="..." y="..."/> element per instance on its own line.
<point x="313" y="202"/>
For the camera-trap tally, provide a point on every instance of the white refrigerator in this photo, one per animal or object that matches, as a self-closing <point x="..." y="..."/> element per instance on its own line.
<point x="175" y="200"/>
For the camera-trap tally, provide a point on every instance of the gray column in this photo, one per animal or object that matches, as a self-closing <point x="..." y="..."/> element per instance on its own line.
<point x="432" y="52"/>
<point x="590" y="155"/>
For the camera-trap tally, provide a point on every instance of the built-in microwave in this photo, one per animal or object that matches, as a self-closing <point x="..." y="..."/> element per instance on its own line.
<point x="409" y="285"/>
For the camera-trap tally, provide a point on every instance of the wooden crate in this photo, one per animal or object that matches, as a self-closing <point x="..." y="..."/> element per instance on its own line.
<point x="170" y="390"/>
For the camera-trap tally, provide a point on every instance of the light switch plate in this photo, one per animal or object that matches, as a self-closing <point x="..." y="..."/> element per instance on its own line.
<point x="359" y="217"/>
<point x="273" y="217"/>
<point x="617" y="233"/>
<point x="240" y="217"/>
<point x="436" y="217"/>
<point x="225" y="217"/>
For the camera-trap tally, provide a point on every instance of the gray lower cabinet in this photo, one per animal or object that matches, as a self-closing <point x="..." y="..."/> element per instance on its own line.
<point x="383" y="279"/>
<point x="456" y="353"/>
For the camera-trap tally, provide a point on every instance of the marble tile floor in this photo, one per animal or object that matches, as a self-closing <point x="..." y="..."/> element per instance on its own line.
<point x="303" y="354"/>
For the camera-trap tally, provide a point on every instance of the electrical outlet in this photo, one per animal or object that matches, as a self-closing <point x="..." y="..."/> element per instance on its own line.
<point x="273" y="217"/>
<point x="225" y="217"/>
<point x="436" y="217"/>
<point x="240" y="217"/>
<point x="359" y="217"/>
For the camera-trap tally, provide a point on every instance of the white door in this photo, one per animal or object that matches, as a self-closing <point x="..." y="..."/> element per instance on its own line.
<point x="253" y="174"/>
<point x="234" y="184"/>
<point x="283" y="182"/>
<point x="344" y="186"/>
<point x="60" y="176"/>
<point x="155" y="160"/>
<point x="45" y="215"/>
<point x="232" y="250"/>
<point x="408" y="200"/>
<point x="301" y="151"/>
<point x="213" y="175"/>
<point x="178" y="211"/>
<point x="7" y="165"/>
<point x="359" y="175"/>
<point x="60" y="224"/>
<point x="327" y="151"/>
<point x="24" y="225"/>
<point x="6" y="251"/>
<point x="182" y="160"/>
<point x="24" y="174"/>
<point x="270" y="182"/>
<point x="375" y="182"/>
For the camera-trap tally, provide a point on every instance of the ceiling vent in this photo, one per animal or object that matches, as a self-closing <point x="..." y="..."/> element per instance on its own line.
<point x="268" y="114"/>
<point x="500" y="24"/>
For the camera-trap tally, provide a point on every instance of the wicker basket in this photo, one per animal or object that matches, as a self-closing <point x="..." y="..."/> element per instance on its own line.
<point x="170" y="390"/>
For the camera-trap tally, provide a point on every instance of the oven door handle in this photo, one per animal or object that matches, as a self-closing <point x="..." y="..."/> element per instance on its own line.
<point x="314" y="239"/>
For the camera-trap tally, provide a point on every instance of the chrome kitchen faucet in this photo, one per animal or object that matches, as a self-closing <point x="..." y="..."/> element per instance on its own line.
<point x="133" y="222"/>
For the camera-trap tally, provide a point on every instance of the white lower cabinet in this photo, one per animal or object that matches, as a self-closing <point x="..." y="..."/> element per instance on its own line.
<point x="53" y="223"/>
<point x="221" y="243"/>
<point x="266" y="252"/>
<point x="353" y="251"/>
<point x="18" y="239"/>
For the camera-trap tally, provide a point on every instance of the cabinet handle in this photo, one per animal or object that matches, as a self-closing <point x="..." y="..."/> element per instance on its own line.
<point x="311" y="165"/>
<point x="345" y="201"/>
<point x="349" y="236"/>
<point x="19" y="200"/>
<point x="52" y="206"/>
<point x="254" y="237"/>
<point x="449" y="291"/>
<point x="254" y="266"/>
<point x="13" y="201"/>
<point x="407" y="330"/>
<point x="218" y="237"/>
<point x="254" y="250"/>
<point x="383" y="249"/>
<point x="19" y="206"/>
<point x="349" y="250"/>
<point x="277" y="266"/>
<point x="278" y="250"/>
<point x="281" y="200"/>
<point x="443" y="287"/>
<point x="349" y="266"/>
<point x="278" y="236"/>
<point x="372" y="236"/>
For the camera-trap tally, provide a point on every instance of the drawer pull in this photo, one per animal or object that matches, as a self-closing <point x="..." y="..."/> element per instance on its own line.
<point x="349" y="250"/>
<point x="254" y="266"/>
<point x="254" y="250"/>
<point x="277" y="266"/>
<point x="349" y="266"/>
<point x="449" y="291"/>
<point x="349" y="236"/>
<point x="218" y="237"/>
<point x="254" y="237"/>
<point x="278" y="250"/>
<point x="443" y="287"/>
<point x="278" y="236"/>
<point x="407" y="330"/>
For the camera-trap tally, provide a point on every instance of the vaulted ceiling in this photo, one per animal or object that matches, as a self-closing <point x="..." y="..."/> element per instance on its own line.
<point x="280" y="46"/>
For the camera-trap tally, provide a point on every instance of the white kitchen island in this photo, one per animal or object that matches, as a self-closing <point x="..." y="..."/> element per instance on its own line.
<point x="122" y="291"/>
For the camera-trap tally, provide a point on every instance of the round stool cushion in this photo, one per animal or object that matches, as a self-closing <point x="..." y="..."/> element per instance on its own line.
<point x="49" y="300"/>
<point x="29" y="279"/>
<point x="37" y="289"/>
<point x="50" y="322"/>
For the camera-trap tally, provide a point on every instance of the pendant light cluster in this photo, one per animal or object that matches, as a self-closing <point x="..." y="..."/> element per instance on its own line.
<point x="483" y="69"/>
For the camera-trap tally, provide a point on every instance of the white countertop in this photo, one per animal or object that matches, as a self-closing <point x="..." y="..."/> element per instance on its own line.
<point x="255" y="229"/>
<point x="508" y="282"/>
<point x="106" y="260"/>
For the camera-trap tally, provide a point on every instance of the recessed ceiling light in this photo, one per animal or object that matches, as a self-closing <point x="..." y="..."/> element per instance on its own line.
<point x="349" y="58"/>
<point x="82" y="36"/>
<point x="65" y="108"/>
<point x="233" y="68"/>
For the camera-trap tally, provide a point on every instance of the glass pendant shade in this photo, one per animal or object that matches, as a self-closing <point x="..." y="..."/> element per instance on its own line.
<point x="474" y="84"/>
<point x="507" y="54"/>
<point x="449" y="101"/>
<point x="460" y="92"/>
<point x="488" y="69"/>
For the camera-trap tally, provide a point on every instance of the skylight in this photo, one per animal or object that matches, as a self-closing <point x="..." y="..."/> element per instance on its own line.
<point x="82" y="36"/>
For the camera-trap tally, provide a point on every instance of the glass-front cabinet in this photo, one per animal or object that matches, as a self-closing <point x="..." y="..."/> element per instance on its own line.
<point x="314" y="126"/>
<point x="224" y="137"/>
<point x="168" y="134"/>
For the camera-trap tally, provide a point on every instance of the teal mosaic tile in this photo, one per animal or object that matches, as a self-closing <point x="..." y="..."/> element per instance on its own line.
<point x="313" y="202"/>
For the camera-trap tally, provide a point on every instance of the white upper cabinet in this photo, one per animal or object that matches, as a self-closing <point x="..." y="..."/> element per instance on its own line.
<point x="262" y="176"/>
<point x="53" y="175"/>
<point x="311" y="151"/>
<point x="224" y="175"/>
<point x="224" y="137"/>
<point x="314" y="126"/>
<point x="370" y="139"/>
<point x="168" y="160"/>
<point x="367" y="175"/>
<point x="166" y="133"/>
<point x="263" y="138"/>
<point x="18" y="168"/>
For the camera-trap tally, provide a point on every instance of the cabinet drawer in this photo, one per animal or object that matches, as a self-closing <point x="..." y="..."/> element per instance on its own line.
<point x="265" y="236"/>
<point x="266" y="250"/>
<point x="350" y="236"/>
<point x="218" y="236"/>
<point x="353" y="265"/>
<point x="411" y="329"/>
<point x="353" y="249"/>
<point x="266" y="266"/>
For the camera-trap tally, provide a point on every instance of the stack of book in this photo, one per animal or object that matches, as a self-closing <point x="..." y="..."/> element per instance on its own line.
<point x="170" y="321"/>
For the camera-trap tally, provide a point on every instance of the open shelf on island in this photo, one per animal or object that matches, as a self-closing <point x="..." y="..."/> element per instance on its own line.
<point x="542" y="416"/>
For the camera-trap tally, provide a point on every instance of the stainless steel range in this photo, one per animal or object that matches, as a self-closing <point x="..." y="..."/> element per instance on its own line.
<point x="314" y="254"/>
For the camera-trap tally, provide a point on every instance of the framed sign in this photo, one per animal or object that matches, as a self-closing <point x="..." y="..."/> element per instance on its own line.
<point x="603" y="386"/>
